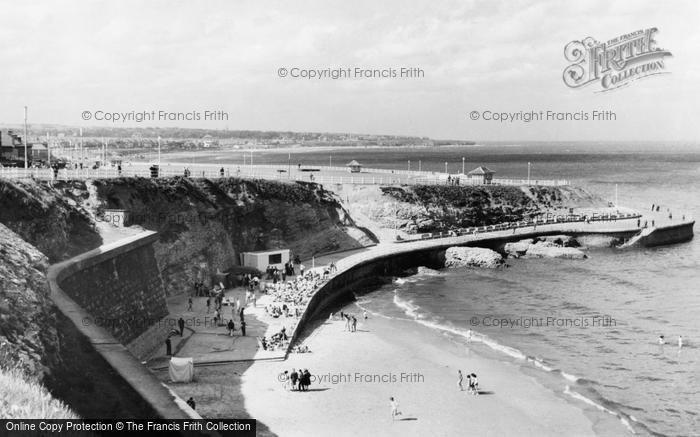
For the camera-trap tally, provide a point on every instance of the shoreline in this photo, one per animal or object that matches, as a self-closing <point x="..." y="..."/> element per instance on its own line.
<point x="380" y="352"/>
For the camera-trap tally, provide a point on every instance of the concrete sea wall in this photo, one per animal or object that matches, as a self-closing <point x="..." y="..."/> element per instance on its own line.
<point x="121" y="289"/>
<point x="117" y="280"/>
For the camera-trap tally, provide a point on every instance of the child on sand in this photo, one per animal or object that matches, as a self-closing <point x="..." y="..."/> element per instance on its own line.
<point x="460" y="378"/>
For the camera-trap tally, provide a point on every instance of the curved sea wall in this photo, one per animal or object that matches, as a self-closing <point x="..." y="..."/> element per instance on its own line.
<point x="111" y="295"/>
<point x="371" y="267"/>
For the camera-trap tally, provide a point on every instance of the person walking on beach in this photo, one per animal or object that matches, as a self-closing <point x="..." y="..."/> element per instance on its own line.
<point x="662" y="341"/>
<point x="394" y="408"/>
<point x="680" y="342"/>
<point x="294" y="376"/>
<point x="354" y="324"/>
<point x="189" y="303"/>
<point x="474" y="384"/>
<point x="460" y="378"/>
<point x="284" y="378"/>
<point x="305" y="379"/>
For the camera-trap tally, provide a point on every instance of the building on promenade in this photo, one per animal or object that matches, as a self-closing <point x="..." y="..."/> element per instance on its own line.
<point x="481" y="175"/>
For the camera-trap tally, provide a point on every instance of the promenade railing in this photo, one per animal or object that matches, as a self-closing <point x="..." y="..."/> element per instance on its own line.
<point x="318" y="174"/>
<point x="521" y="224"/>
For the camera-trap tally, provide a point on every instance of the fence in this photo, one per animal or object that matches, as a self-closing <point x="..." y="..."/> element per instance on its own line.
<point x="323" y="175"/>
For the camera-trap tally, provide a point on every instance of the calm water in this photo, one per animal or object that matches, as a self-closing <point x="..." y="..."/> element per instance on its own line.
<point x="614" y="362"/>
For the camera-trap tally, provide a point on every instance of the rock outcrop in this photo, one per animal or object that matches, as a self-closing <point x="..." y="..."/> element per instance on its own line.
<point x="431" y="208"/>
<point x="49" y="216"/>
<point x="519" y="248"/>
<point x="473" y="257"/>
<point x="546" y="249"/>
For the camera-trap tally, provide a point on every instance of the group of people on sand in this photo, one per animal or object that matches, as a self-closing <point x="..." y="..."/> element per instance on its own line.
<point x="296" y="381"/>
<point x="472" y="383"/>
<point x="662" y="341"/>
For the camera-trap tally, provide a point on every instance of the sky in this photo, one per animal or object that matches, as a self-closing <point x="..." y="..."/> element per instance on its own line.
<point x="63" y="58"/>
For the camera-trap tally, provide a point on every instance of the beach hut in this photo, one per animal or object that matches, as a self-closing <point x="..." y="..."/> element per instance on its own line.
<point x="262" y="259"/>
<point x="354" y="166"/>
<point x="480" y="175"/>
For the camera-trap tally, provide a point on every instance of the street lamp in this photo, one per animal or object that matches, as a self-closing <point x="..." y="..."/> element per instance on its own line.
<point x="528" y="173"/>
<point x="26" y="139"/>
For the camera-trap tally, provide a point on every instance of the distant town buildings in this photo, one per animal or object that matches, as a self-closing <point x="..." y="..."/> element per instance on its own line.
<point x="12" y="147"/>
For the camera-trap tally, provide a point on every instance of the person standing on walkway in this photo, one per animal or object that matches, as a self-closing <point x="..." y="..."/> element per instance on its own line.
<point x="231" y="327"/>
<point x="181" y="324"/>
<point x="208" y="304"/>
<point x="189" y="303"/>
<point x="168" y="347"/>
<point x="243" y="328"/>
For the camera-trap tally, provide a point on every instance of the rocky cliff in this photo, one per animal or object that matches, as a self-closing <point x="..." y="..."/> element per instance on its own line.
<point x="205" y="224"/>
<point x="49" y="216"/>
<point x="430" y="208"/>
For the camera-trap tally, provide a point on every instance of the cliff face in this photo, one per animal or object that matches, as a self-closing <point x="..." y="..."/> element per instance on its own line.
<point x="428" y="208"/>
<point x="205" y="224"/>
<point x="28" y="334"/>
<point x="49" y="217"/>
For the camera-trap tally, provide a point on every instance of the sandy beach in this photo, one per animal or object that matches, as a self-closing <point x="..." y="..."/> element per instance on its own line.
<point x="355" y="374"/>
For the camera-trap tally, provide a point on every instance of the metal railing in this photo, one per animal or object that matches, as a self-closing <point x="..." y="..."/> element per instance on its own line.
<point x="521" y="224"/>
<point x="265" y="171"/>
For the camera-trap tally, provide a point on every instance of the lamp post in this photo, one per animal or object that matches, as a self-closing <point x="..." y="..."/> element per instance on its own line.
<point x="26" y="139"/>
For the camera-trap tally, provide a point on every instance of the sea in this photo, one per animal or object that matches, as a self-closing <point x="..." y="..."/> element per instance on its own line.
<point x="588" y="328"/>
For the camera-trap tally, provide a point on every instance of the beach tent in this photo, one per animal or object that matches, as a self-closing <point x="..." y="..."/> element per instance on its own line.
<point x="181" y="369"/>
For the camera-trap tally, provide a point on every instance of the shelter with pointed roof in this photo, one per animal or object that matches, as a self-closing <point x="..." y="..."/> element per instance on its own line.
<point x="481" y="175"/>
<point x="354" y="166"/>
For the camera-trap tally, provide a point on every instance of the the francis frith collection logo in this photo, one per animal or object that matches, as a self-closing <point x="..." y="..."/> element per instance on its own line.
<point x="615" y="63"/>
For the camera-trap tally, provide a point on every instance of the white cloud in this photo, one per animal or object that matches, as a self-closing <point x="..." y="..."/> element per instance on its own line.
<point x="62" y="58"/>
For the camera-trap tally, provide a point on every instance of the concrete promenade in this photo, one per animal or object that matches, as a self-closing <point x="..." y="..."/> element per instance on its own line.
<point x="281" y="172"/>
